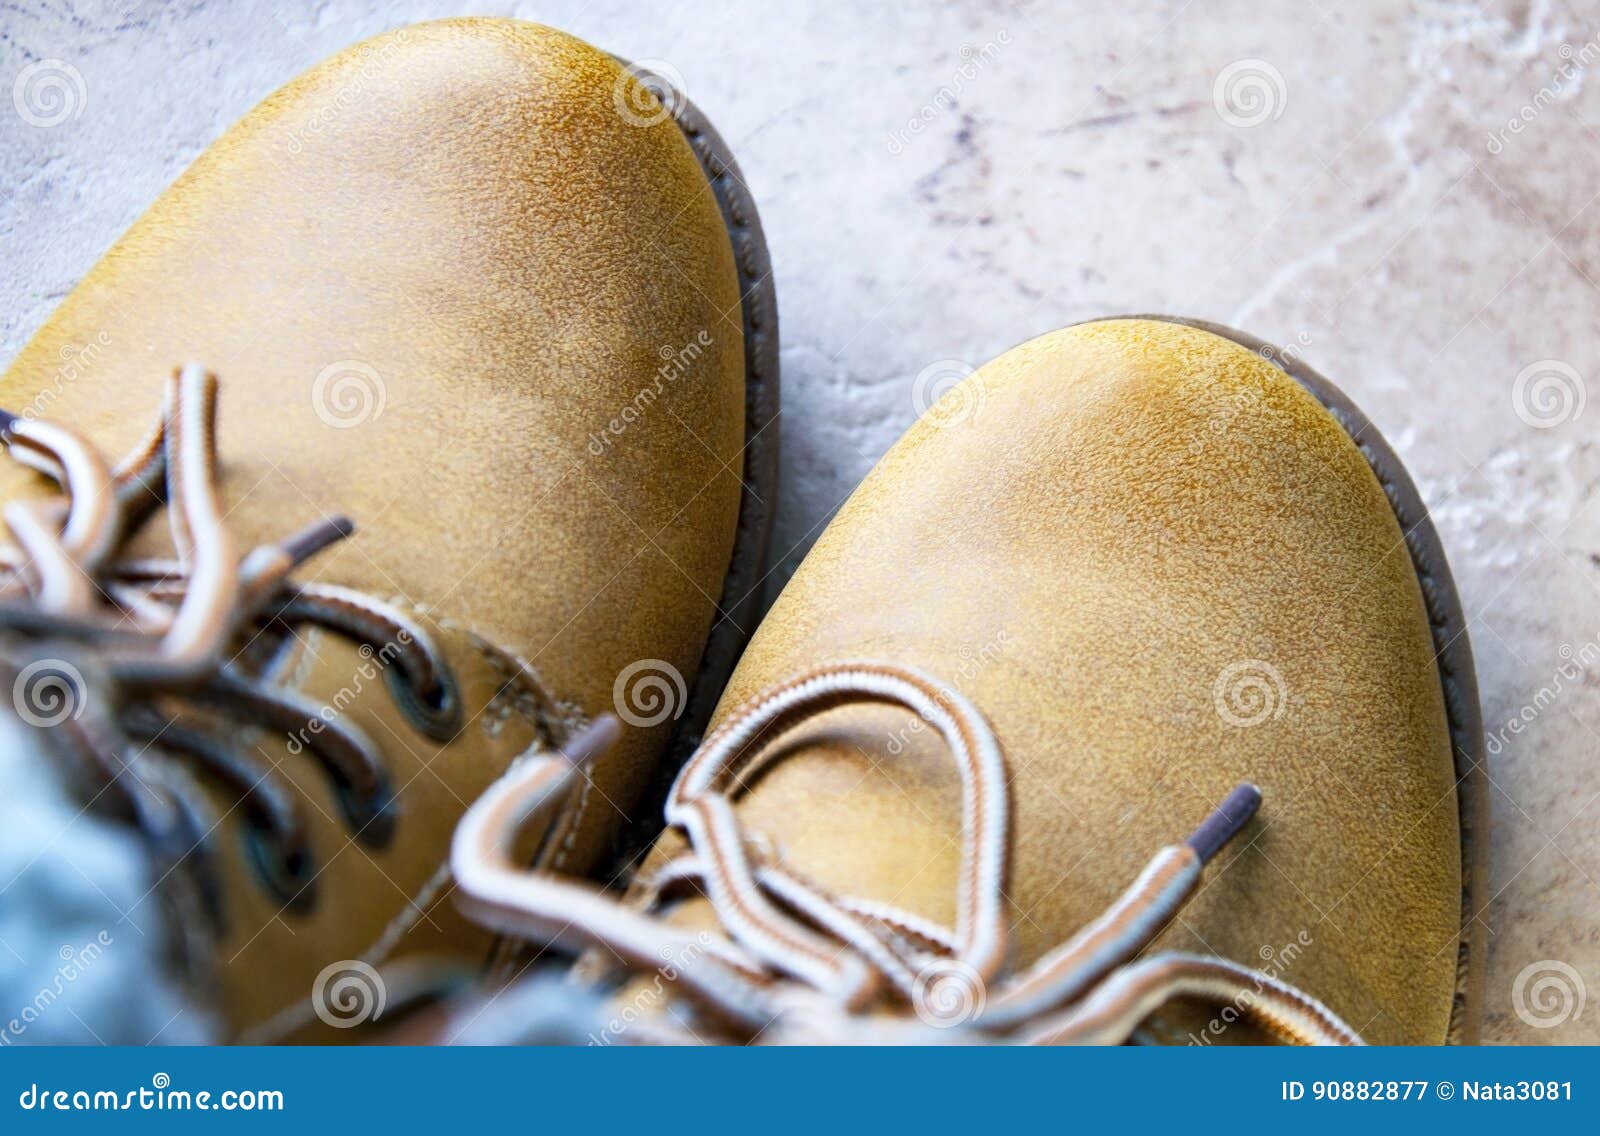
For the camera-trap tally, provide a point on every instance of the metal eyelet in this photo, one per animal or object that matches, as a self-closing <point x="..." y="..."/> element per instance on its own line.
<point x="437" y="715"/>
<point x="286" y="874"/>
<point x="372" y="817"/>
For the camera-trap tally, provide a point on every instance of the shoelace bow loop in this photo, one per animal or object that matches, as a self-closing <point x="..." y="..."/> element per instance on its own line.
<point x="796" y="958"/>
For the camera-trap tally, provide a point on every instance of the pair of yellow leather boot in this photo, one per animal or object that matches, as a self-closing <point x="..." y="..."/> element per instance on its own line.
<point x="1138" y="597"/>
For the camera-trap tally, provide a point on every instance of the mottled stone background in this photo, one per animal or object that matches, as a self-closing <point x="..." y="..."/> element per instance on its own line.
<point x="1342" y="177"/>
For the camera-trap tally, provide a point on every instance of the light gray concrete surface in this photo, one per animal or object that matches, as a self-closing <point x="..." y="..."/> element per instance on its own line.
<point x="1343" y="178"/>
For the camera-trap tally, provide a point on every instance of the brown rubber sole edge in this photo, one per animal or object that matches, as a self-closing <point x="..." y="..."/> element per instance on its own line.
<point x="739" y="606"/>
<point x="1452" y="650"/>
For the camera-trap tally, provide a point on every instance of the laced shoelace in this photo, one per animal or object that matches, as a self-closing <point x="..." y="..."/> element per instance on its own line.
<point x="169" y="646"/>
<point x="798" y="961"/>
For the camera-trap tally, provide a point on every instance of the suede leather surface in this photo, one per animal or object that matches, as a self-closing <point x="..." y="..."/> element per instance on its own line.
<point x="1101" y="538"/>
<point x="429" y="273"/>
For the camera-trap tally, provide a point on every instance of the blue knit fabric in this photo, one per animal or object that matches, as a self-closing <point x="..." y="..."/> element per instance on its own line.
<point x="81" y="934"/>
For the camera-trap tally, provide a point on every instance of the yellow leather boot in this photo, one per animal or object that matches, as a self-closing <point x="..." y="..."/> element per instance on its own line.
<point x="477" y="288"/>
<point x="1128" y="698"/>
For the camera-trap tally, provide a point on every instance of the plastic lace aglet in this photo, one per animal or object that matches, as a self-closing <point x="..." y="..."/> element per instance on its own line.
<point x="312" y="539"/>
<point x="7" y="420"/>
<point x="1225" y="821"/>
<point x="592" y="740"/>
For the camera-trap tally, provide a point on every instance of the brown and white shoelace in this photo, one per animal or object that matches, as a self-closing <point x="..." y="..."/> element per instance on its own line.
<point x="152" y="665"/>
<point x="797" y="962"/>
